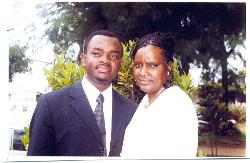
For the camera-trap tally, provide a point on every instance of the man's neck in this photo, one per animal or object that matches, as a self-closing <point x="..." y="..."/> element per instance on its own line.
<point x="101" y="86"/>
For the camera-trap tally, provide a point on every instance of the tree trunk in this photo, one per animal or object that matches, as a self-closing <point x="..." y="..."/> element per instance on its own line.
<point x="80" y="43"/>
<point x="224" y="78"/>
<point x="185" y="66"/>
<point x="211" y="143"/>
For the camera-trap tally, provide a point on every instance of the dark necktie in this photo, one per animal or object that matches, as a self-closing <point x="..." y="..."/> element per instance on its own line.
<point x="100" y="121"/>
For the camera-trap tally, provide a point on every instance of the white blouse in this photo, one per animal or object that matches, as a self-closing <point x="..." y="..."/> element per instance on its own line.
<point x="168" y="128"/>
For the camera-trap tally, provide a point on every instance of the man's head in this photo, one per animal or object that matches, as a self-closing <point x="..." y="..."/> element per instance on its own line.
<point x="99" y="32"/>
<point x="101" y="57"/>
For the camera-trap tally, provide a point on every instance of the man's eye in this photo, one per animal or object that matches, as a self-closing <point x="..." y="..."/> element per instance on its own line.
<point x="96" y="54"/>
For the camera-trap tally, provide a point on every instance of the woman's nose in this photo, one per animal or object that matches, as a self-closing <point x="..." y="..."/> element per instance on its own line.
<point x="144" y="71"/>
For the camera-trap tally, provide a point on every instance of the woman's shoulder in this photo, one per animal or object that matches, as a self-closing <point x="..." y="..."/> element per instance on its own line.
<point x="174" y="90"/>
<point x="176" y="94"/>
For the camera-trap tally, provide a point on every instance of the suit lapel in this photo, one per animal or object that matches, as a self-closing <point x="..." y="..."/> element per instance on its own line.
<point x="117" y="118"/>
<point x="80" y="103"/>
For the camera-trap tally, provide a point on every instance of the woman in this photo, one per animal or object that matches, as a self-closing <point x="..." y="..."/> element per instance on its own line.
<point x="165" y="124"/>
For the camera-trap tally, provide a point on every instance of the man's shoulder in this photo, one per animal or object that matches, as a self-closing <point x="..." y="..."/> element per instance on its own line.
<point x="62" y="91"/>
<point x="124" y="100"/>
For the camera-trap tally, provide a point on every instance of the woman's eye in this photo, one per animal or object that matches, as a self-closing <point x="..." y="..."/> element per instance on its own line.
<point x="137" y="65"/>
<point x="113" y="57"/>
<point x="153" y="65"/>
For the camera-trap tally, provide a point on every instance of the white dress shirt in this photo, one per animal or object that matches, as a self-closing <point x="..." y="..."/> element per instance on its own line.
<point x="168" y="128"/>
<point x="92" y="93"/>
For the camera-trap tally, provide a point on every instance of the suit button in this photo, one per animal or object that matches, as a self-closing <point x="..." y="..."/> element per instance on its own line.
<point x="101" y="150"/>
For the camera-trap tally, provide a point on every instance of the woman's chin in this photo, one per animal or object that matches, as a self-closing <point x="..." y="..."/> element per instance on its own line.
<point x="145" y="89"/>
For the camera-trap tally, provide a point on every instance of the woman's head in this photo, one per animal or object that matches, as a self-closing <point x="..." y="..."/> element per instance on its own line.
<point x="153" y="59"/>
<point x="164" y="41"/>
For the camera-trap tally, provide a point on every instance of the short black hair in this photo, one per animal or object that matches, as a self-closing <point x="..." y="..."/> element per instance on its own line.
<point x="165" y="41"/>
<point x="99" y="32"/>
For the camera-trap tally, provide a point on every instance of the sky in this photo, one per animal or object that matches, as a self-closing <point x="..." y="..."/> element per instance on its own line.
<point x="28" y="27"/>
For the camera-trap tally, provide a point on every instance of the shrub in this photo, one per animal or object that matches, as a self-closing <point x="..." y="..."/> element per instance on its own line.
<point x="125" y="83"/>
<point x="239" y="113"/>
<point x="184" y="81"/>
<point x="64" y="73"/>
<point x="25" y="138"/>
<point x="219" y="120"/>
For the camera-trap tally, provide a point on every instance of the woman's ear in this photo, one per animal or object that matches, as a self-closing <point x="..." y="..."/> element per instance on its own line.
<point x="169" y="66"/>
<point x="83" y="59"/>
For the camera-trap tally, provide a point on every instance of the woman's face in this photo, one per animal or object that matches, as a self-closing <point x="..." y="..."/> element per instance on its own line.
<point x="150" y="70"/>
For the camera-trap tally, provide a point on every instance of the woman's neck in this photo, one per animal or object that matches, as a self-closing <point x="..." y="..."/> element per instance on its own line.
<point x="153" y="97"/>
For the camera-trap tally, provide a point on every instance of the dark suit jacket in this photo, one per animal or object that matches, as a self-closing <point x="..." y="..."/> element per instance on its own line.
<point x="64" y="124"/>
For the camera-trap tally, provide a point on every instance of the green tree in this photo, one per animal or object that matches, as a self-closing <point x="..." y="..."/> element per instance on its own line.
<point x="214" y="112"/>
<point x="65" y="25"/>
<point x="18" y="62"/>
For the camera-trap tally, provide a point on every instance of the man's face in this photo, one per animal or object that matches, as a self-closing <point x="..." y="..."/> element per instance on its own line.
<point x="102" y="60"/>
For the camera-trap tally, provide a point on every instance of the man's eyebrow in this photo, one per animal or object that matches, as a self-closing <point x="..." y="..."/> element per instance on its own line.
<point x="99" y="49"/>
<point x="114" y="51"/>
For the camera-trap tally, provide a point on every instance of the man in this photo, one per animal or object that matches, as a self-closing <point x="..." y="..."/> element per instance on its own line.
<point x="66" y="122"/>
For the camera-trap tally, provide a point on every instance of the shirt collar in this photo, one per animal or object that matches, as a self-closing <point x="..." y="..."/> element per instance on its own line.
<point x="107" y="92"/>
<point x="92" y="92"/>
<point x="89" y="89"/>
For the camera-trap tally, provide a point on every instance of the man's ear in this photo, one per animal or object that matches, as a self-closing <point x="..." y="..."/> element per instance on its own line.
<point x="83" y="59"/>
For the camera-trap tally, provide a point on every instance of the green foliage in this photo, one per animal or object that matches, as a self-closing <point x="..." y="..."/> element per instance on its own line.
<point x="200" y="153"/>
<point x="25" y="138"/>
<point x="237" y="85"/>
<point x="64" y="73"/>
<point x="239" y="113"/>
<point x="184" y="81"/>
<point x="243" y="136"/>
<point x="18" y="62"/>
<point x="66" y="27"/>
<point x="125" y="83"/>
<point x="216" y="114"/>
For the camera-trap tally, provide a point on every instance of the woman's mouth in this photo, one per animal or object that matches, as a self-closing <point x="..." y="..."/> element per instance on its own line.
<point x="144" y="82"/>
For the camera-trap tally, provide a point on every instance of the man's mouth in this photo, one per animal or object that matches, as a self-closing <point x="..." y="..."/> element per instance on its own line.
<point x="103" y="68"/>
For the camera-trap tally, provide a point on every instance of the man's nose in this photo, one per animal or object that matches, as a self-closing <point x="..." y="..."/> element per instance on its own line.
<point x="105" y="59"/>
